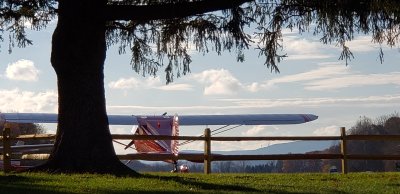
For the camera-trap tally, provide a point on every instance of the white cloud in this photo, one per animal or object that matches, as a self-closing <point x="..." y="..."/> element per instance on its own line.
<point x="134" y="83"/>
<point x="124" y="83"/>
<point x="362" y="44"/>
<point x="240" y="105"/>
<point x="218" y="82"/>
<point x="28" y="101"/>
<point x="243" y="105"/>
<point x="148" y="83"/>
<point x="383" y="101"/>
<point x="327" y="131"/>
<point x="297" y="47"/>
<point x="322" y="72"/>
<point x="328" y="78"/>
<point x="303" y="49"/>
<point x="289" y="32"/>
<point x="23" y="70"/>
<point x="176" y="87"/>
<point x="257" y="130"/>
<point x="255" y="87"/>
<point x="151" y="82"/>
<point x="354" y="81"/>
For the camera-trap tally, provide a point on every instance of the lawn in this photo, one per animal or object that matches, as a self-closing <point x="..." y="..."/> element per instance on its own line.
<point x="194" y="183"/>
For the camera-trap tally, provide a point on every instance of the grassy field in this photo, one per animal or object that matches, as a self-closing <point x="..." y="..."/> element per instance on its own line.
<point x="195" y="183"/>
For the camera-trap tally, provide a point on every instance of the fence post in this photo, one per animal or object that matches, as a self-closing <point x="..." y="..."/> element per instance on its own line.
<point x="6" y="150"/>
<point x="207" y="151"/>
<point x="343" y="149"/>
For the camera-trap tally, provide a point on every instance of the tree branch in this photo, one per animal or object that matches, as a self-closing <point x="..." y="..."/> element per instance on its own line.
<point x="168" y="11"/>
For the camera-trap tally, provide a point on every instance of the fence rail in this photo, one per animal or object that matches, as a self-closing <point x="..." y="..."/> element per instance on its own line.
<point x="207" y="156"/>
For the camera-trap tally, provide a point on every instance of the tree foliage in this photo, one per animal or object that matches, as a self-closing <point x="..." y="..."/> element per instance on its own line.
<point x="16" y="16"/>
<point x="259" y="23"/>
<point x="25" y="128"/>
<point x="18" y="129"/>
<point x="165" y="39"/>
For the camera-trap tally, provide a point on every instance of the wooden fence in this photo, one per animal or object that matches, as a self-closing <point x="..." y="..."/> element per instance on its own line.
<point x="207" y="157"/>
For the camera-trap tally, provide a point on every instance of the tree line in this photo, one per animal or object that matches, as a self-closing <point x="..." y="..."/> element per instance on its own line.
<point x="17" y="129"/>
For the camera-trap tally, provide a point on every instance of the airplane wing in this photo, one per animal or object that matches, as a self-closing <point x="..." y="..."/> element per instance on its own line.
<point x="30" y="117"/>
<point x="238" y="119"/>
<point x="25" y="149"/>
<point x="246" y="119"/>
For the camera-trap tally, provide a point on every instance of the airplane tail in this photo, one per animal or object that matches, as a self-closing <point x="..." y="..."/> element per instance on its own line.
<point x="157" y="125"/>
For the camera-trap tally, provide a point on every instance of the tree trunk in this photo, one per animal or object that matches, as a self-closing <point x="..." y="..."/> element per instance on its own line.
<point x="83" y="141"/>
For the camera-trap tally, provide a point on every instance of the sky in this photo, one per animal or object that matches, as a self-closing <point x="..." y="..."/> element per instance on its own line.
<point x="311" y="80"/>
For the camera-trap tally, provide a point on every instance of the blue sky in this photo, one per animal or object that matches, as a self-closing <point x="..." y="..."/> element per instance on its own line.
<point x="312" y="80"/>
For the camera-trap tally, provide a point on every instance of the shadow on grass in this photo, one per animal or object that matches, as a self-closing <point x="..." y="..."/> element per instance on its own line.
<point x="13" y="183"/>
<point x="230" y="188"/>
<point x="203" y="185"/>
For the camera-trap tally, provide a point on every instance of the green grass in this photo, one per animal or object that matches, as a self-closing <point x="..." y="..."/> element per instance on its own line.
<point x="214" y="183"/>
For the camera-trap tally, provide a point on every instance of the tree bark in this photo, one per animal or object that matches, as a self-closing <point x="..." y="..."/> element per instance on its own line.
<point x="83" y="140"/>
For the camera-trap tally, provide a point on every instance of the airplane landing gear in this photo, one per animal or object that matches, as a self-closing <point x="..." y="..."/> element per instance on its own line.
<point x="175" y="168"/>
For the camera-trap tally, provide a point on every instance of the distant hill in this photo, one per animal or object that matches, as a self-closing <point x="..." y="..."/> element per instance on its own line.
<point x="282" y="148"/>
<point x="295" y="147"/>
